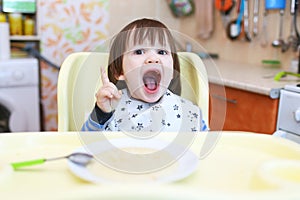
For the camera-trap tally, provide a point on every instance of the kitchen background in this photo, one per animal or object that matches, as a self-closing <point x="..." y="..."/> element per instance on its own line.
<point x="66" y="26"/>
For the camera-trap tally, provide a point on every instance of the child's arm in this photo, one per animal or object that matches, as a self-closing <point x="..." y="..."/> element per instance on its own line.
<point x="97" y="120"/>
<point x="203" y="125"/>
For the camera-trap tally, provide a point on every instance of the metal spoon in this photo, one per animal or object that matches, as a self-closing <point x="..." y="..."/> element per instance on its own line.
<point x="77" y="158"/>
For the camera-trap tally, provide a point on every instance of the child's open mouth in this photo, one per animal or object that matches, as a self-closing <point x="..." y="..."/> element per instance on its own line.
<point x="151" y="81"/>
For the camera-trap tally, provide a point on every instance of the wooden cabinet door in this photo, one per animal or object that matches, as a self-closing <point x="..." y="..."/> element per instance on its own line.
<point x="245" y="111"/>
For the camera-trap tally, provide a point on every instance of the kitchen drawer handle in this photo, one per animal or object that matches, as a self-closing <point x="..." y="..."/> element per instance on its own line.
<point x="224" y="99"/>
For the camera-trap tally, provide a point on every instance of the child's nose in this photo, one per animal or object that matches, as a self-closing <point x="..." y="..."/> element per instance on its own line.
<point x="152" y="59"/>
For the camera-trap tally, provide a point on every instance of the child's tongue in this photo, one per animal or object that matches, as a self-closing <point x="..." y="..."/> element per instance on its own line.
<point x="150" y="83"/>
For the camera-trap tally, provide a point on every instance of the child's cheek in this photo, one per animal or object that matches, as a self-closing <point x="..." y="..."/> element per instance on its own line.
<point x="134" y="79"/>
<point x="167" y="76"/>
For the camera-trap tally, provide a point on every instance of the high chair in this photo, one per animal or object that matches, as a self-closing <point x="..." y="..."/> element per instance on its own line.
<point x="79" y="80"/>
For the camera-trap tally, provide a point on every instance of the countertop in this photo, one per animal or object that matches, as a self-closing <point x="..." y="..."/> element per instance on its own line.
<point x="249" y="77"/>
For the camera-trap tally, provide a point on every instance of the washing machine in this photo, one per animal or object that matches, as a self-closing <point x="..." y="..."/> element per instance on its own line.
<point x="19" y="95"/>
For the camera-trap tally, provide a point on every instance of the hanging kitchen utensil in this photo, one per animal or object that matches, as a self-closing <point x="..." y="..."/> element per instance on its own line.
<point x="264" y="35"/>
<point x="297" y="5"/>
<point x="246" y="20"/>
<point x="181" y="7"/>
<point x="292" y="39"/>
<point x="279" y="42"/>
<point x="255" y="17"/>
<point x="274" y="5"/>
<point x="204" y="18"/>
<point x="234" y="28"/>
<point x="225" y="7"/>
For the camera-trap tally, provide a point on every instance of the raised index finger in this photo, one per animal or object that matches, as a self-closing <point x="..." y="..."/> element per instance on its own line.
<point x="104" y="77"/>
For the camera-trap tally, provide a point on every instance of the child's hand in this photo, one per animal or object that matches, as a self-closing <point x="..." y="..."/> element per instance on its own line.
<point x="108" y="95"/>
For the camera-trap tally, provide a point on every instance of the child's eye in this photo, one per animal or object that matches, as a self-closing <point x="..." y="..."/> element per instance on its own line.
<point x="162" y="52"/>
<point x="139" y="51"/>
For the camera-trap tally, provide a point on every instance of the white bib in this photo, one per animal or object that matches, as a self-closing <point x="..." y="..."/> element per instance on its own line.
<point x="171" y="113"/>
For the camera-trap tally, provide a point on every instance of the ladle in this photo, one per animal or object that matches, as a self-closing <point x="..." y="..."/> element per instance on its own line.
<point x="279" y="42"/>
<point x="77" y="158"/>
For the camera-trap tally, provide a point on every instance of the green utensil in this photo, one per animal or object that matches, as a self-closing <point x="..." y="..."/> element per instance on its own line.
<point x="279" y="75"/>
<point x="77" y="158"/>
<point x="271" y="62"/>
<point x="18" y="165"/>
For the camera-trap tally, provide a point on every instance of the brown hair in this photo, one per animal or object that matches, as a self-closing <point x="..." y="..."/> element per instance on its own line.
<point x="144" y="29"/>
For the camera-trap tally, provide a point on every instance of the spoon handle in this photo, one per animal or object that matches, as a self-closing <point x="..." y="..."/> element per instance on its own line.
<point x="18" y="165"/>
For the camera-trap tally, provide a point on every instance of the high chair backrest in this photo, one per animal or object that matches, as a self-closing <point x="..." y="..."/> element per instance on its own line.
<point x="79" y="80"/>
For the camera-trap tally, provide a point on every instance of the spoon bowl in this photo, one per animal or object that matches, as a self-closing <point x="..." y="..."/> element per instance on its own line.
<point x="80" y="158"/>
<point x="278" y="43"/>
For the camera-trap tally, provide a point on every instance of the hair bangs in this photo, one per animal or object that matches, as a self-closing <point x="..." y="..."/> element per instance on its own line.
<point x="150" y="35"/>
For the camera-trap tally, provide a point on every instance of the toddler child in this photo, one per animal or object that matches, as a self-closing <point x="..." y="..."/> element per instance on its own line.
<point x="141" y="91"/>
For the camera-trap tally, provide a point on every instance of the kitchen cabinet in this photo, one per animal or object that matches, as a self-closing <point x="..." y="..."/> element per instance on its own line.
<point x="245" y="111"/>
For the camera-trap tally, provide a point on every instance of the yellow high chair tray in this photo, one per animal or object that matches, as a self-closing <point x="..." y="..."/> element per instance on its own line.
<point x="240" y="166"/>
